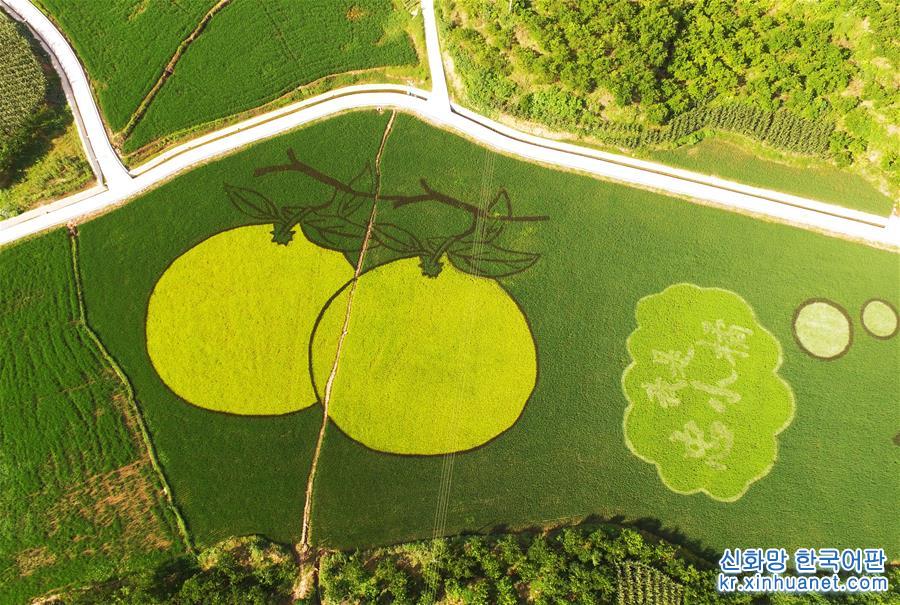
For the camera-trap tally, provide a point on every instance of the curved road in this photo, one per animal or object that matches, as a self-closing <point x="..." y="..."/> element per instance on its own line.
<point x="435" y="107"/>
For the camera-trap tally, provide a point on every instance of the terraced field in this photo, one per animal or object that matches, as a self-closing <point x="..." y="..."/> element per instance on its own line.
<point x="573" y="256"/>
<point x="202" y="61"/>
<point x="80" y="496"/>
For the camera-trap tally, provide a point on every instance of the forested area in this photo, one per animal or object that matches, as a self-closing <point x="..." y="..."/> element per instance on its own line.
<point x="818" y="79"/>
<point x="593" y="564"/>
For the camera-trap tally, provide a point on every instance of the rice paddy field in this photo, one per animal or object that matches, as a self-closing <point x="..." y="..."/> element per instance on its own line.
<point x="80" y="497"/>
<point x="203" y="60"/>
<point x="522" y="346"/>
<point x="529" y="290"/>
<point x="261" y="51"/>
<point x="729" y="159"/>
<point x="121" y="76"/>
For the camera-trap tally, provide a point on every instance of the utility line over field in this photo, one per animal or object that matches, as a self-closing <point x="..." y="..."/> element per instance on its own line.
<point x="435" y="107"/>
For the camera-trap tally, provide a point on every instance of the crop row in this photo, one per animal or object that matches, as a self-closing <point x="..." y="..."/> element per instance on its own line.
<point x="79" y="496"/>
<point x="23" y="86"/>
<point x="639" y="584"/>
<point x="252" y="53"/>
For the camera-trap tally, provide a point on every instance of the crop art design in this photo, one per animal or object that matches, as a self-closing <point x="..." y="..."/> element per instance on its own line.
<point x="705" y="399"/>
<point x="423" y="353"/>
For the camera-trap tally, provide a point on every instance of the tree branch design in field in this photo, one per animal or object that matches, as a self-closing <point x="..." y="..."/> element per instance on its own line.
<point x="458" y="327"/>
<point x="705" y="399"/>
<point x="340" y="222"/>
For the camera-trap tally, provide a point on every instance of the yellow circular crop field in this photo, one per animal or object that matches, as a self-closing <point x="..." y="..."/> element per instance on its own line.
<point x="429" y="365"/>
<point x="823" y="329"/>
<point x="879" y="318"/>
<point x="229" y="322"/>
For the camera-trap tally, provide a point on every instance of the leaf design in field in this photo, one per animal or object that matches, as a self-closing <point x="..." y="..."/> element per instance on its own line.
<point x="490" y="261"/>
<point x="396" y="238"/>
<point x="334" y="232"/>
<point x="252" y="203"/>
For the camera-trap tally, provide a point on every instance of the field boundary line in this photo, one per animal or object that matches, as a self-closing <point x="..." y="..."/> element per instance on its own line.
<point x="169" y="69"/>
<point x="129" y="392"/>
<point x="768" y="205"/>
<point x="304" y="545"/>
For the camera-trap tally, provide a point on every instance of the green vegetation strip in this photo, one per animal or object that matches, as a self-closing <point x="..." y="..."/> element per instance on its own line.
<point x="812" y="79"/>
<point x="135" y="411"/>
<point x="80" y="496"/>
<point x="591" y="564"/>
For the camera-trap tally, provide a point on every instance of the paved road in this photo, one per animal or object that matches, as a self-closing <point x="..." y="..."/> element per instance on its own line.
<point x="100" y="151"/>
<point x="435" y="107"/>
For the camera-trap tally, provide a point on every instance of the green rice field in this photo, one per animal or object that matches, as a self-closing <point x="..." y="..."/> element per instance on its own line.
<point x="574" y="255"/>
<point x="261" y="51"/>
<point x="246" y="55"/>
<point x="105" y="36"/>
<point x="80" y="497"/>
<point x="468" y="236"/>
<point x="816" y="179"/>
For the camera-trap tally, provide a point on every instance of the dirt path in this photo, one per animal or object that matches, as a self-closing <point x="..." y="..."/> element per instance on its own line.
<point x="304" y="546"/>
<point x="169" y="70"/>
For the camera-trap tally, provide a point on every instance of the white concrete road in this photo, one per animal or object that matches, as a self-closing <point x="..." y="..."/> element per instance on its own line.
<point x="119" y="185"/>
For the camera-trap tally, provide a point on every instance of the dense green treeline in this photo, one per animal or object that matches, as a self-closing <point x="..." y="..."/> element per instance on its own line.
<point x="589" y="564"/>
<point x="813" y="78"/>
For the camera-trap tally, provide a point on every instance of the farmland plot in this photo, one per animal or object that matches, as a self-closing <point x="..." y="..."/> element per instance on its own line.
<point x="232" y="470"/>
<point x="252" y="53"/>
<point x="22" y="89"/>
<point x="578" y="277"/>
<point x="124" y="44"/>
<point x="162" y="69"/>
<point x="520" y="287"/>
<point x="80" y="498"/>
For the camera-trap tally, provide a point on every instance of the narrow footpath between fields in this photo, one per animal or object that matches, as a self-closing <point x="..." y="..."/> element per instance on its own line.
<point x="303" y="547"/>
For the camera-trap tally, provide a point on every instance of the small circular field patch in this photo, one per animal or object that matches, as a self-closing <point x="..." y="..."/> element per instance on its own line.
<point x="823" y="329"/>
<point x="229" y="322"/>
<point x="879" y="318"/>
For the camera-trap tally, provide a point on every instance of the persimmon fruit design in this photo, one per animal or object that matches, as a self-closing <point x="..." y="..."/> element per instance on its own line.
<point x="228" y="322"/>
<point x="429" y="365"/>
<point x="425" y="353"/>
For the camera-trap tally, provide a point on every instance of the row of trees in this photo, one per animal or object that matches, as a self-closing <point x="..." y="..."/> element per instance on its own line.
<point x="240" y="571"/>
<point x="651" y="72"/>
<point x="639" y="584"/>
<point x="592" y="564"/>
